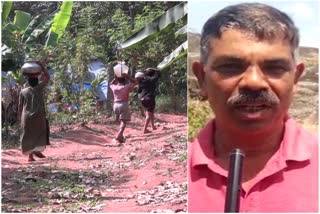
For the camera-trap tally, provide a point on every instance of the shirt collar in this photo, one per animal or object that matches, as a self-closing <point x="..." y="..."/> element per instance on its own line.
<point x="292" y="148"/>
<point x="202" y="146"/>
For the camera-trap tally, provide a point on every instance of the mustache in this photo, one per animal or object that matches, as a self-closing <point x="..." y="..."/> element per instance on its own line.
<point x="249" y="97"/>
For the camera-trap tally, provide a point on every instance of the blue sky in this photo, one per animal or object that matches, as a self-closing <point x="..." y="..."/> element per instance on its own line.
<point x="305" y="14"/>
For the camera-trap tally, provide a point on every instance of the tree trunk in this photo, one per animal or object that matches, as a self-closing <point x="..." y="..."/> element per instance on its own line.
<point x="173" y="95"/>
<point x="131" y="11"/>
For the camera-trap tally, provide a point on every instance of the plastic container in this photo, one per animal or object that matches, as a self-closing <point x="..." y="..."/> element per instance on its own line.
<point x="120" y="68"/>
<point x="31" y="68"/>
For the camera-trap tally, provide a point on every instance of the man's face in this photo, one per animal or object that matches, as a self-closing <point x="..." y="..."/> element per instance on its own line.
<point x="249" y="83"/>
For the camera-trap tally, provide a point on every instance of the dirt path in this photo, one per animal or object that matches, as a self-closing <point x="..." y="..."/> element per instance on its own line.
<point x="85" y="171"/>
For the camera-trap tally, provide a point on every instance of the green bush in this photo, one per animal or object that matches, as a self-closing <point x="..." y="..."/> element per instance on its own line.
<point x="168" y="105"/>
<point x="10" y="136"/>
<point x="62" y="118"/>
<point x="198" y="115"/>
<point x="163" y="104"/>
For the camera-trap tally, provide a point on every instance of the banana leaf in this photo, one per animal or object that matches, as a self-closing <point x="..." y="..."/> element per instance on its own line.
<point x="5" y="50"/>
<point x="10" y="28"/>
<point x="161" y="24"/>
<point x="6" y="8"/>
<point x="30" y="28"/>
<point x="175" y="55"/>
<point x="60" y="23"/>
<point x="8" y="36"/>
<point x="21" y="20"/>
<point x="99" y="79"/>
<point x="181" y="31"/>
<point x="42" y="27"/>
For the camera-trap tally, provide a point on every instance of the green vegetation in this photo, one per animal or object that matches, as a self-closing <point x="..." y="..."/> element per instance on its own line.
<point x="48" y="187"/>
<point x="70" y="35"/>
<point x="199" y="112"/>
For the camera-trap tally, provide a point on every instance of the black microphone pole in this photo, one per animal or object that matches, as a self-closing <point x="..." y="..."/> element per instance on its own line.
<point x="232" y="202"/>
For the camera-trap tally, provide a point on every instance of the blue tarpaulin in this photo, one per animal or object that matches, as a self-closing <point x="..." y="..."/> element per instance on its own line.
<point x="102" y="91"/>
<point x="87" y="86"/>
<point x="94" y="69"/>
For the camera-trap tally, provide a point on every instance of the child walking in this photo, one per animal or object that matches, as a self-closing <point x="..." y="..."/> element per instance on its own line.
<point x="121" y="105"/>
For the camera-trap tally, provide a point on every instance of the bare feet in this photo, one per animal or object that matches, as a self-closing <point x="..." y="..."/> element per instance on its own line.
<point x="39" y="154"/>
<point x="120" y="139"/>
<point x="117" y="142"/>
<point x="146" y="131"/>
<point x="30" y="159"/>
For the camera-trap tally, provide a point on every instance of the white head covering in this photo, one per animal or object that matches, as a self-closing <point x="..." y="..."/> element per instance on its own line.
<point x="139" y="75"/>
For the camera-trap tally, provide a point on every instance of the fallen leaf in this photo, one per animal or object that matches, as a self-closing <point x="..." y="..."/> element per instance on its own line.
<point x="56" y="202"/>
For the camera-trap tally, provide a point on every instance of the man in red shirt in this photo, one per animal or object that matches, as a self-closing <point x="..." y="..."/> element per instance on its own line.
<point x="248" y="71"/>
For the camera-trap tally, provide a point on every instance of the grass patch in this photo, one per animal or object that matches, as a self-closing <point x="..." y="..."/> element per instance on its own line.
<point x="61" y="190"/>
<point x="180" y="152"/>
<point x="183" y="155"/>
<point x="199" y="113"/>
<point x="169" y="105"/>
<point x="10" y="136"/>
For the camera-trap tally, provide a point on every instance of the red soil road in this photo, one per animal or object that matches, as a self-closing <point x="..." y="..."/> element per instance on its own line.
<point x="151" y="160"/>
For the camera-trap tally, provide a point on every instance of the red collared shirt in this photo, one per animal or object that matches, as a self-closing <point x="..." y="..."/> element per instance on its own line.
<point x="288" y="183"/>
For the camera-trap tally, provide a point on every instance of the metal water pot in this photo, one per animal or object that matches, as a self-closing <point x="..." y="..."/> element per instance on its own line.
<point x="120" y="69"/>
<point x="31" y="68"/>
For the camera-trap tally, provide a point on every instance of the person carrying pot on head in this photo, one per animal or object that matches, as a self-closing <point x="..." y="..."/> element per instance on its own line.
<point x="147" y="93"/>
<point x="121" y="101"/>
<point x="34" y="125"/>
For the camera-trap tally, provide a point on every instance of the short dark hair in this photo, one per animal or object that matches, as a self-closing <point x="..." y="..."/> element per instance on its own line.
<point x="33" y="81"/>
<point x="121" y="80"/>
<point x="262" y="21"/>
<point x="149" y="72"/>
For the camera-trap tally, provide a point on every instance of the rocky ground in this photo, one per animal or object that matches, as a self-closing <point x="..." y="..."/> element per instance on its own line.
<point x="85" y="171"/>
